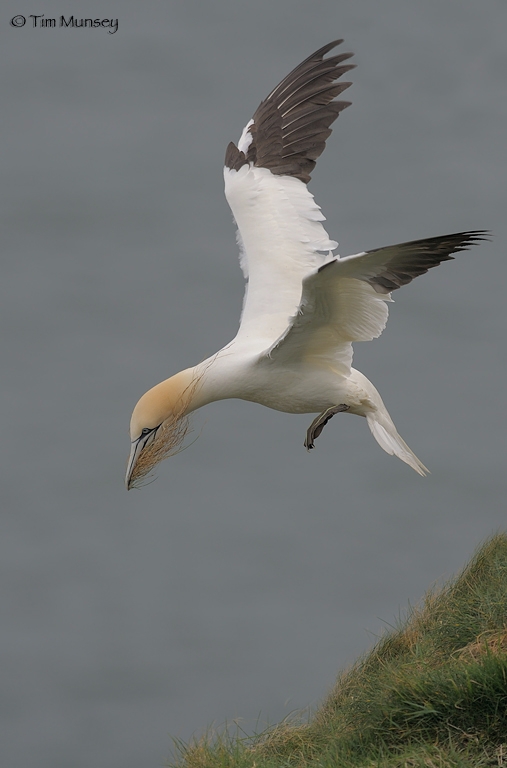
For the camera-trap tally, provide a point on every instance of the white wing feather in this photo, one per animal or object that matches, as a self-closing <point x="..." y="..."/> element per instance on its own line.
<point x="334" y="312"/>
<point x="281" y="240"/>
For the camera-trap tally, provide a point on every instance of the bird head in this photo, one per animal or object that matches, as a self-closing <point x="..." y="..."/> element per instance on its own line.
<point x="158" y="425"/>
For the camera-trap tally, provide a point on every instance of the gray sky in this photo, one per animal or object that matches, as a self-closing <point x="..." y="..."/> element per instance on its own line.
<point x="250" y="572"/>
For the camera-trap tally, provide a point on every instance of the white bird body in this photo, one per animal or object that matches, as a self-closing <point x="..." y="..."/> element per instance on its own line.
<point x="300" y="388"/>
<point x="304" y="306"/>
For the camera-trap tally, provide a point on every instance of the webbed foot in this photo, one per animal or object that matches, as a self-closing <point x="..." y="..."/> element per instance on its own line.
<point x="320" y="422"/>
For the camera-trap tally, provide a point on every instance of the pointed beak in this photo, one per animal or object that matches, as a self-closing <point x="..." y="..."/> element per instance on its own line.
<point x="136" y="448"/>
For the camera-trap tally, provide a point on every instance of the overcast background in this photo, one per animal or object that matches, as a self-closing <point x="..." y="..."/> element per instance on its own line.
<point x="250" y="572"/>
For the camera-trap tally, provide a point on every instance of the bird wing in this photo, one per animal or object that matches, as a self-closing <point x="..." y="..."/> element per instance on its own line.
<point x="280" y="234"/>
<point x="345" y="300"/>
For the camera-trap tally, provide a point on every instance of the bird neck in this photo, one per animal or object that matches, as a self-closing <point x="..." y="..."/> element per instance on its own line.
<point x="176" y="395"/>
<point x="186" y="391"/>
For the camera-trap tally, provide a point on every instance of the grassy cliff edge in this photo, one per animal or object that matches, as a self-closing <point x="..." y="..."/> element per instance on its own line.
<point x="432" y="693"/>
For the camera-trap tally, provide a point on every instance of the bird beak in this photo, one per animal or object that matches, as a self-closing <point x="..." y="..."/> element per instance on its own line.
<point x="136" y="448"/>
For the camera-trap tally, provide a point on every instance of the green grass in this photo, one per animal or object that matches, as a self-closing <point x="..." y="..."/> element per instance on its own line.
<point x="431" y="694"/>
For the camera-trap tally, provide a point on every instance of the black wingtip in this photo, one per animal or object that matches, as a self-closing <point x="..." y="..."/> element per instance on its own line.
<point x="467" y="239"/>
<point x="476" y="235"/>
<point x="405" y="261"/>
<point x="291" y="126"/>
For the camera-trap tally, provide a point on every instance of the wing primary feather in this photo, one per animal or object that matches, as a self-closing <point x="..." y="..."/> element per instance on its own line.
<point x="307" y="65"/>
<point x="302" y="103"/>
<point x="399" y="264"/>
<point x="388" y="268"/>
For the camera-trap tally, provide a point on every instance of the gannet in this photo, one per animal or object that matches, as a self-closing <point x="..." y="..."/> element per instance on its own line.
<point x="303" y="306"/>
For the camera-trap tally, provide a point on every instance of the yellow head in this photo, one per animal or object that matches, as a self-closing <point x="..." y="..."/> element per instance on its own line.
<point x="159" y="424"/>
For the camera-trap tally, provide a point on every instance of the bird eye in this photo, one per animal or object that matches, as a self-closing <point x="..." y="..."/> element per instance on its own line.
<point x="145" y="431"/>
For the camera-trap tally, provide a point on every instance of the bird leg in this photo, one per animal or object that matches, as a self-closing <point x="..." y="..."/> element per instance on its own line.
<point x="320" y="422"/>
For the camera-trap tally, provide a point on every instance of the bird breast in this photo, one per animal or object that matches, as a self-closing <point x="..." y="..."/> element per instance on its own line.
<point x="297" y="388"/>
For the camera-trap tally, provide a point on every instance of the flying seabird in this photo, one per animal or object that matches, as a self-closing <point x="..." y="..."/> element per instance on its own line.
<point x="304" y="306"/>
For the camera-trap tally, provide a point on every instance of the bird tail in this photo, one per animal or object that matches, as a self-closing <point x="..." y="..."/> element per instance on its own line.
<point x="385" y="433"/>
